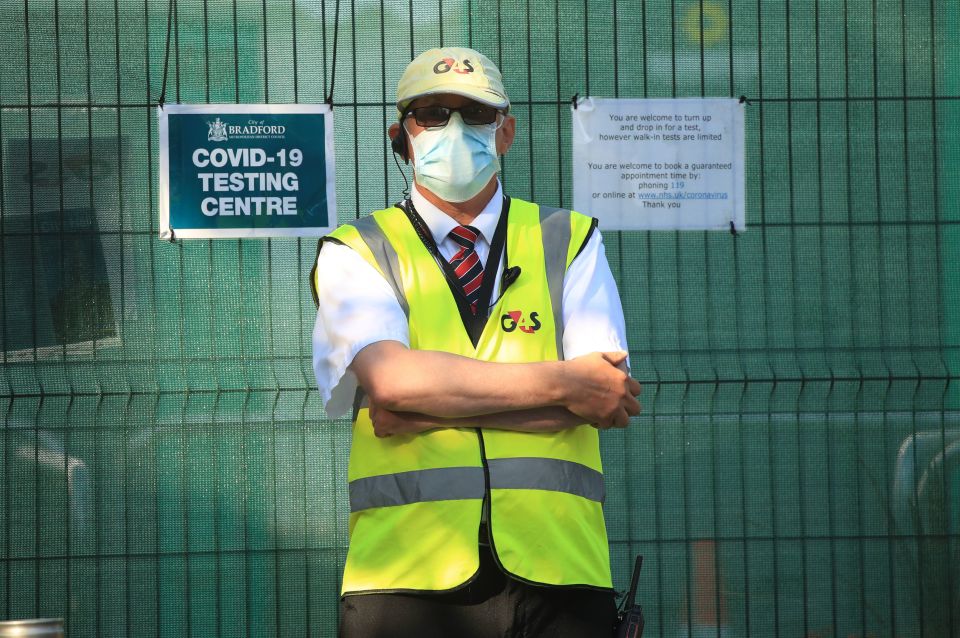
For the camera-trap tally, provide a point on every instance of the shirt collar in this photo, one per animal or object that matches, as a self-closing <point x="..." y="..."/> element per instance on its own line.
<point x="440" y="224"/>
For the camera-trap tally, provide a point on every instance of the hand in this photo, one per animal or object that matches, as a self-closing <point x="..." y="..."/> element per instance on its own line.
<point x="598" y="390"/>
<point x="387" y="422"/>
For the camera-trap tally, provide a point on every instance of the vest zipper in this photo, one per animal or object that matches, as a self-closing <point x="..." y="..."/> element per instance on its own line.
<point x="485" y="506"/>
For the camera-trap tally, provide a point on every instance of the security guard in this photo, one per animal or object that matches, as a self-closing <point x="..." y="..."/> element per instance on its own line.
<point x="480" y="341"/>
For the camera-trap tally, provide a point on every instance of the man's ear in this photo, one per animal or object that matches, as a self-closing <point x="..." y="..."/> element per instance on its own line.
<point x="505" y="134"/>
<point x="393" y="132"/>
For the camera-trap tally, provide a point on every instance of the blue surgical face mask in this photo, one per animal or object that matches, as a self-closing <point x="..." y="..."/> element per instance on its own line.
<point x="456" y="161"/>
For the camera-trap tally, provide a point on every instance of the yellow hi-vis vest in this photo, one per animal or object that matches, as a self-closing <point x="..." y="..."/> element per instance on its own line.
<point x="416" y="500"/>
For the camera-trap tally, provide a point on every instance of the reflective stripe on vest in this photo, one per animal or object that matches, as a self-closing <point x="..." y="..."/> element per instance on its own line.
<point x="386" y="256"/>
<point x="555" y="226"/>
<point x="417" y="486"/>
<point x="459" y="483"/>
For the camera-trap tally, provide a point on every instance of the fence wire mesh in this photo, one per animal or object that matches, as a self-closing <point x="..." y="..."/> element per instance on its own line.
<point x="167" y="468"/>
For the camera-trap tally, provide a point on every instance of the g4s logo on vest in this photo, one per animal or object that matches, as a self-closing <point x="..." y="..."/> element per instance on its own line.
<point x="514" y="319"/>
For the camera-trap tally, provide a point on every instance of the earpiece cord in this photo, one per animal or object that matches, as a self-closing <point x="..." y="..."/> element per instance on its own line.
<point x="503" y="277"/>
<point x="406" y="184"/>
<point x="510" y="275"/>
<point x="400" y="142"/>
<point x="424" y="234"/>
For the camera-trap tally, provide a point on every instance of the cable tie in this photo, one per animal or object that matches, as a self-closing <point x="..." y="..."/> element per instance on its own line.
<point x="573" y="100"/>
<point x="744" y="100"/>
<point x="733" y="228"/>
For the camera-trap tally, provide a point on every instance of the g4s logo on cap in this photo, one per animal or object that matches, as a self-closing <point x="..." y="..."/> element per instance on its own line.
<point x="514" y="319"/>
<point x="449" y="64"/>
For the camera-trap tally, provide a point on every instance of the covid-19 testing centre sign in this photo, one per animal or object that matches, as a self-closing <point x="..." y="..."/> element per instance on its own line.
<point x="246" y="170"/>
<point x="659" y="164"/>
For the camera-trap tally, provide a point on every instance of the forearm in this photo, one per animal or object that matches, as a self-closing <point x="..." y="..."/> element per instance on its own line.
<point x="450" y="386"/>
<point x="551" y="419"/>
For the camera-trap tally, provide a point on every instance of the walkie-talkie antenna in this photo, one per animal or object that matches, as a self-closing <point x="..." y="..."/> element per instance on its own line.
<point x="632" y="594"/>
<point x="630" y="617"/>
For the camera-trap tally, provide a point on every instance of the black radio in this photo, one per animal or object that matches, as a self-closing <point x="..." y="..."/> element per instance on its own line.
<point x="630" y="615"/>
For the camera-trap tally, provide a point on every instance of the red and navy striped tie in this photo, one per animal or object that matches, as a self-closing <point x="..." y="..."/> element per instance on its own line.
<point x="466" y="264"/>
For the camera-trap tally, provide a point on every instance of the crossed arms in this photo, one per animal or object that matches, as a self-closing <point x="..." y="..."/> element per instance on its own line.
<point x="418" y="390"/>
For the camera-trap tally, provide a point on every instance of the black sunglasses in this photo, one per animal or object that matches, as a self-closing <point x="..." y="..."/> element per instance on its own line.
<point x="436" y="116"/>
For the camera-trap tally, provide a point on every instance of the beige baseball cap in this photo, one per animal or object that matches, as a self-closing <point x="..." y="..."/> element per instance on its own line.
<point x="455" y="70"/>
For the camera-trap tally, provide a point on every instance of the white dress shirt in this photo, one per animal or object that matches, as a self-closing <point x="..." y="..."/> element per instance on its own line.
<point x="358" y="307"/>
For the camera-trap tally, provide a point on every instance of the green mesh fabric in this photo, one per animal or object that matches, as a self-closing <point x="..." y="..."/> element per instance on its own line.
<point x="167" y="467"/>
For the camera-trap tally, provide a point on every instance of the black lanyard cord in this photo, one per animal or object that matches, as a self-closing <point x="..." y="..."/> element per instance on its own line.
<point x="474" y="324"/>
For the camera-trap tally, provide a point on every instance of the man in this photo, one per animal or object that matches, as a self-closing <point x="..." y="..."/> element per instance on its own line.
<point x="478" y="338"/>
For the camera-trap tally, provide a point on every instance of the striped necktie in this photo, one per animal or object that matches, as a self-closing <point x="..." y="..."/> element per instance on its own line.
<point x="466" y="263"/>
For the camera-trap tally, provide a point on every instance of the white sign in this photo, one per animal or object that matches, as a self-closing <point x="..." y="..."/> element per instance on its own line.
<point x="659" y="164"/>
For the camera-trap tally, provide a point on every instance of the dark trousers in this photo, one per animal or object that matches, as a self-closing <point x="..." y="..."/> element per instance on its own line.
<point x="493" y="605"/>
